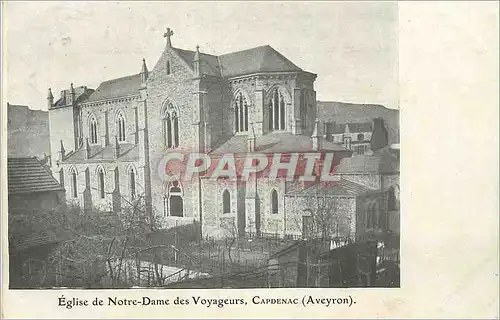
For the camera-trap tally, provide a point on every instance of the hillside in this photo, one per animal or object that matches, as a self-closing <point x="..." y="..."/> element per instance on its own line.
<point x="342" y="112"/>
<point x="28" y="132"/>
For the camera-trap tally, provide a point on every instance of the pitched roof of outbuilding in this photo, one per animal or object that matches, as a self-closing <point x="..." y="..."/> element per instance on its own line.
<point x="340" y="188"/>
<point x="28" y="175"/>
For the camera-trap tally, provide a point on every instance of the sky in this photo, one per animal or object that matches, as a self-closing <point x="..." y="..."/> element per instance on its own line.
<point x="351" y="46"/>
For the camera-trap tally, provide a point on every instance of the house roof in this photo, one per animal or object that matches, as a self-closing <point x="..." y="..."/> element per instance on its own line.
<point x="382" y="161"/>
<point x="342" y="112"/>
<point x="27" y="175"/>
<point x="338" y="128"/>
<point x="340" y="188"/>
<point x="128" y="152"/>
<point x="275" y="142"/>
<point x="115" y="88"/>
<point x="255" y="60"/>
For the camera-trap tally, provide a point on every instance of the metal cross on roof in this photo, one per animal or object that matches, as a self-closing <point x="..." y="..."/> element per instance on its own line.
<point x="167" y="35"/>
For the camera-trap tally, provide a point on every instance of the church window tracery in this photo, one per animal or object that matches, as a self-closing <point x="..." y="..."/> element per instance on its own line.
<point x="170" y="126"/>
<point x="276" y="107"/>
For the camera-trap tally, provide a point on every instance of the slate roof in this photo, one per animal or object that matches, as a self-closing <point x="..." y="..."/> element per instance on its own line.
<point x="275" y="142"/>
<point x="128" y="152"/>
<point x="342" y="112"/>
<point x="254" y="60"/>
<point x="27" y="175"/>
<point x="81" y="94"/>
<point x="338" y="128"/>
<point x="382" y="161"/>
<point x="341" y="188"/>
<point x="115" y="88"/>
<point x="208" y="63"/>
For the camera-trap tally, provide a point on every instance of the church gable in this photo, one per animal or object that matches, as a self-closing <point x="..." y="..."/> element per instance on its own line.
<point x="172" y="64"/>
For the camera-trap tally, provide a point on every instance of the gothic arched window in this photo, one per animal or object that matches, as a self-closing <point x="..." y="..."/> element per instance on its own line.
<point x="274" y="202"/>
<point x="170" y="126"/>
<point x="240" y="113"/>
<point x="93" y="129"/>
<point x="276" y="111"/>
<point x="120" y="126"/>
<point x="226" y="202"/>
<point x="303" y="110"/>
<point x="74" y="183"/>
<point x="175" y="201"/>
<point x="100" y="182"/>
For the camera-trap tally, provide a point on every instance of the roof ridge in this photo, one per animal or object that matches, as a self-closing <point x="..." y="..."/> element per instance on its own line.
<point x="121" y="78"/>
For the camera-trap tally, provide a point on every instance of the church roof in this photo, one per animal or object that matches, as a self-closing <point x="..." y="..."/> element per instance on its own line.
<point x="27" y="175"/>
<point x="382" y="161"/>
<point x="275" y="142"/>
<point x="340" y="188"/>
<point x="128" y="152"/>
<point x="120" y="87"/>
<point x="255" y="60"/>
<point x="208" y="63"/>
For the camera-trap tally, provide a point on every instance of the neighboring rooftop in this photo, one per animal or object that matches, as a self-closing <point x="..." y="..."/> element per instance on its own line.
<point x="384" y="160"/>
<point x="351" y="113"/>
<point x="28" y="175"/>
<point x="275" y="142"/>
<point x="340" y="188"/>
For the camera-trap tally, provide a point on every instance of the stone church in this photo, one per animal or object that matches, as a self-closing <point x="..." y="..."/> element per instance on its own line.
<point x="106" y="143"/>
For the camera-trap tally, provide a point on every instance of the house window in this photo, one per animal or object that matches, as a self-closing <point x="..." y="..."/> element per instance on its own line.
<point x="170" y="126"/>
<point x="93" y="129"/>
<point x="240" y="113"/>
<point x="274" y="202"/>
<point x="226" y="202"/>
<point x="120" y="126"/>
<point x="100" y="175"/>
<point x="175" y="201"/>
<point x="372" y="216"/>
<point x="347" y="142"/>
<point x="361" y="137"/>
<point x="360" y="150"/>
<point x="392" y="199"/>
<point x="276" y="111"/>
<point x="132" y="183"/>
<point x="74" y="184"/>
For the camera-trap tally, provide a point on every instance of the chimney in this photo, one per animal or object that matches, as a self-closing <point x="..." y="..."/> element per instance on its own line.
<point x="71" y="95"/>
<point x="316" y="137"/>
<point x="196" y="62"/>
<point x="144" y="73"/>
<point x="87" y="149"/>
<point x="251" y="139"/>
<point x="62" y="152"/>
<point x="380" y="135"/>
<point x="117" y="148"/>
<point x="50" y="99"/>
